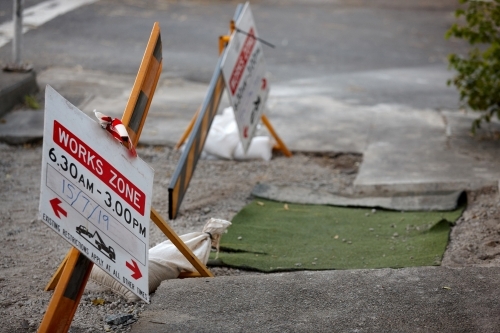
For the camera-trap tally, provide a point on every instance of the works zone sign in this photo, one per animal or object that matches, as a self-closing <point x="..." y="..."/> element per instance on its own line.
<point x="94" y="195"/>
<point x="244" y="70"/>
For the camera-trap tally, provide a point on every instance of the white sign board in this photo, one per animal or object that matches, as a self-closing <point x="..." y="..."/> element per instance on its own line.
<point x="244" y="69"/>
<point x="94" y="195"/>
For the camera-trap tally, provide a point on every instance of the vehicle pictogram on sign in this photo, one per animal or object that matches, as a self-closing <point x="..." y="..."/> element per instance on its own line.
<point x="98" y="243"/>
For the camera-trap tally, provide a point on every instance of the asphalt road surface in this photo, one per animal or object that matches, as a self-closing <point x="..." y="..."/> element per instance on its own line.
<point x="360" y="52"/>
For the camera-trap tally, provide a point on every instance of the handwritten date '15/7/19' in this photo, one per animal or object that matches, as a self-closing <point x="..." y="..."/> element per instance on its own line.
<point x="84" y="205"/>
<point x="88" y="208"/>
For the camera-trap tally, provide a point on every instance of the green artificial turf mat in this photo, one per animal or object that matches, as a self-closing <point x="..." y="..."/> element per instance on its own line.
<point x="266" y="236"/>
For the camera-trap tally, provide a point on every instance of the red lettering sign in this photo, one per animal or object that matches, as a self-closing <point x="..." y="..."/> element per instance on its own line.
<point x="99" y="167"/>
<point x="241" y="63"/>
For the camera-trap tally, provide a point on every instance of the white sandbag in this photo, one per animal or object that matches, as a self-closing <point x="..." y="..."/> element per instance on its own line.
<point x="222" y="138"/>
<point x="261" y="147"/>
<point x="223" y="141"/>
<point x="166" y="261"/>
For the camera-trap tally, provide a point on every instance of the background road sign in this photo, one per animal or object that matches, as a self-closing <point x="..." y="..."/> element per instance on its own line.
<point x="244" y="70"/>
<point x="202" y="122"/>
<point x="94" y="195"/>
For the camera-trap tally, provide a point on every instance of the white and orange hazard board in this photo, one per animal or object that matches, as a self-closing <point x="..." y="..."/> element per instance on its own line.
<point x="244" y="69"/>
<point x="95" y="195"/>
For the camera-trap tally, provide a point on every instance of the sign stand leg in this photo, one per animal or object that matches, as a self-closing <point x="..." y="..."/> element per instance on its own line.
<point x="57" y="275"/>
<point x="188" y="254"/>
<point x="281" y="144"/>
<point x="69" y="290"/>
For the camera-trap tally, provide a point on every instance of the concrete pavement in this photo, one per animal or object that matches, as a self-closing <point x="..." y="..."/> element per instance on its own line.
<point x="13" y="88"/>
<point x="425" y="299"/>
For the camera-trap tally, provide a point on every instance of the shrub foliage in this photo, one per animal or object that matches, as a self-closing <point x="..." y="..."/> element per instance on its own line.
<point x="478" y="78"/>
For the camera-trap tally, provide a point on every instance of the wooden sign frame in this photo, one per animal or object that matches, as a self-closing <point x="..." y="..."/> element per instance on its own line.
<point x="72" y="275"/>
<point x="199" y="126"/>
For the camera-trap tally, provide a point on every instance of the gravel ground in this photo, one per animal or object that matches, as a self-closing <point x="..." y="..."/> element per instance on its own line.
<point x="31" y="252"/>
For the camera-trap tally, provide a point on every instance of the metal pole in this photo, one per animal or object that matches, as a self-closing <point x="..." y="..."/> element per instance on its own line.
<point x="18" y="32"/>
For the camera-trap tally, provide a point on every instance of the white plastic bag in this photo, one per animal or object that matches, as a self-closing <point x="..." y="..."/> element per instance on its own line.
<point x="166" y="261"/>
<point x="223" y="141"/>
<point x="261" y="147"/>
<point x="222" y="138"/>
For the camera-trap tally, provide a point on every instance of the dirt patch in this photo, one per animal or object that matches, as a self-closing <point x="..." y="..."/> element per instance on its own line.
<point x="475" y="239"/>
<point x="31" y="252"/>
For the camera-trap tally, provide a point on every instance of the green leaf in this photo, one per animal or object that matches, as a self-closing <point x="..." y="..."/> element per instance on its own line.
<point x="477" y="76"/>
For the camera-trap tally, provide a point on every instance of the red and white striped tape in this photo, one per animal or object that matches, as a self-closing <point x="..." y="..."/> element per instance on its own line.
<point x="117" y="129"/>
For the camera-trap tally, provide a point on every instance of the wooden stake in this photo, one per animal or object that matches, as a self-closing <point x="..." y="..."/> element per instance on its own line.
<point x="69" y="290"/>
<point x="57" y="275"/>
<point x="281" y="144"/>
<point x="184" y="275"/>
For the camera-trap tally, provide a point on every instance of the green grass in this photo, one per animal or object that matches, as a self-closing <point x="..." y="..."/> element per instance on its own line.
<point x="269" y="238"/>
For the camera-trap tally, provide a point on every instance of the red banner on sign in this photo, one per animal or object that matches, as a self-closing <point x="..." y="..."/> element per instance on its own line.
<point x="241" y="63"/>
<point x="99" y="167"/>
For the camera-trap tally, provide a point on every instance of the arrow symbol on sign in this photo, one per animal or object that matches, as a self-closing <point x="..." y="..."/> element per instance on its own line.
<point x="135" y="268"/>
<point x="57" y="209"/>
